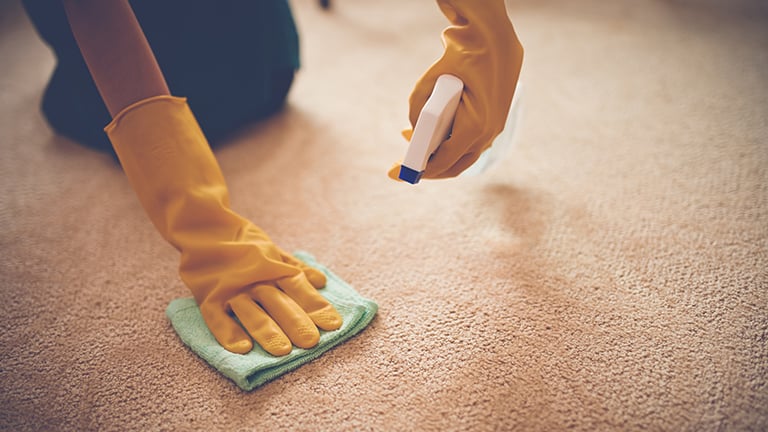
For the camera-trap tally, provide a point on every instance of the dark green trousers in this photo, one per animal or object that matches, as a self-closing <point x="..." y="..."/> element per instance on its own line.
<point x="234" y="61"/>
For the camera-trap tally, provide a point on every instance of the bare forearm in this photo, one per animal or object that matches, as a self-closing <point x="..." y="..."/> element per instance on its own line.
<point x="116" y="51"/>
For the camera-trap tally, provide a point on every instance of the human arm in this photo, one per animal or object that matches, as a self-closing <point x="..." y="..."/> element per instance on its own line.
<point x="232" y="267"/>
<point x="482" y="49"/>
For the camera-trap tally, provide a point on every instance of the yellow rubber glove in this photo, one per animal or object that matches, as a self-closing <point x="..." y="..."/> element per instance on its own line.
<point x="482" y="49"/>
<point x="230" y="265"/>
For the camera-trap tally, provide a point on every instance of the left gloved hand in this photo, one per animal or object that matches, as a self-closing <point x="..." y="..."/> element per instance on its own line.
<point x="246" y="286"/>
<point x="482" y="49"/>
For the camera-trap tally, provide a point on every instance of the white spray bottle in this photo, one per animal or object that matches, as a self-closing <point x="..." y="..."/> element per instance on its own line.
<point x="434" y="126"/>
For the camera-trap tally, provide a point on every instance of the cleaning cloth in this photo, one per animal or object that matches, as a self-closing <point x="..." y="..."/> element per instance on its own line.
<point x="257" y="367"/>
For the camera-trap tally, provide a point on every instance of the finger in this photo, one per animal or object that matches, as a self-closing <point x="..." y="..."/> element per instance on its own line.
<point x="394" y="172"/>
<point x="291" y="318"/>
<point x="420" y="93"/>
<point x="315" y="276"/>
<point x="446" y="156"/>
<point x="261" y="327"/>
<point x="227" y="332"/>
<point x="460" y="166"/>
<point x="466" y="134"/>
<point x="418" y="99"/>
<point x="320" y="310"/>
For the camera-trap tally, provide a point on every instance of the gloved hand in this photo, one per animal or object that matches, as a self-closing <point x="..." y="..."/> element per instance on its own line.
<point x="230" y="265"/>
<point x="482" y="49"/>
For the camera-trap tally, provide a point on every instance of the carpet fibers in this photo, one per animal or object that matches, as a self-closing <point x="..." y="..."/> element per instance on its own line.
<point x="610" y="274"/>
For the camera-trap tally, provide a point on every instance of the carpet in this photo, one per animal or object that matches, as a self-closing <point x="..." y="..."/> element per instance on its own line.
<point x="610" y="274"/>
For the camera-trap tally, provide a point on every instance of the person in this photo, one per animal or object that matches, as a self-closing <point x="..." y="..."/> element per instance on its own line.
<point x="234" y="61"/>
<point x="248" y="289"/>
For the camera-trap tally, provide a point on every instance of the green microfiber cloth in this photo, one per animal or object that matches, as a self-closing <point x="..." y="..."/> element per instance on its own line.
<point x="257" y="367"/>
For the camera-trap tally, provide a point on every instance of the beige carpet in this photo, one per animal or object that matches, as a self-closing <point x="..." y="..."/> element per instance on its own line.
<point x="612" y="274"/>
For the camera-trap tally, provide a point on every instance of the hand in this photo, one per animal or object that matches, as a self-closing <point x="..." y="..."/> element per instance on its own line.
<point x="277" y="303"/>
<point x="231" y="266"/>
<point x="482" y="49"/>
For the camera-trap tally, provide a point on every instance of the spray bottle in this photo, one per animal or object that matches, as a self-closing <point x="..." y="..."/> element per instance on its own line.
<point x="434" y="126"/>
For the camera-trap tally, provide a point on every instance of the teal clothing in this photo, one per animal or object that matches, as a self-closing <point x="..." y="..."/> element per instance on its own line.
<point x="233" y="60"/>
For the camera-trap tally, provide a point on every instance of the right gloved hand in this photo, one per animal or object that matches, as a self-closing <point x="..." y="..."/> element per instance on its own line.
<point x="231" y="266"/>
<point x="482" y="49"/>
